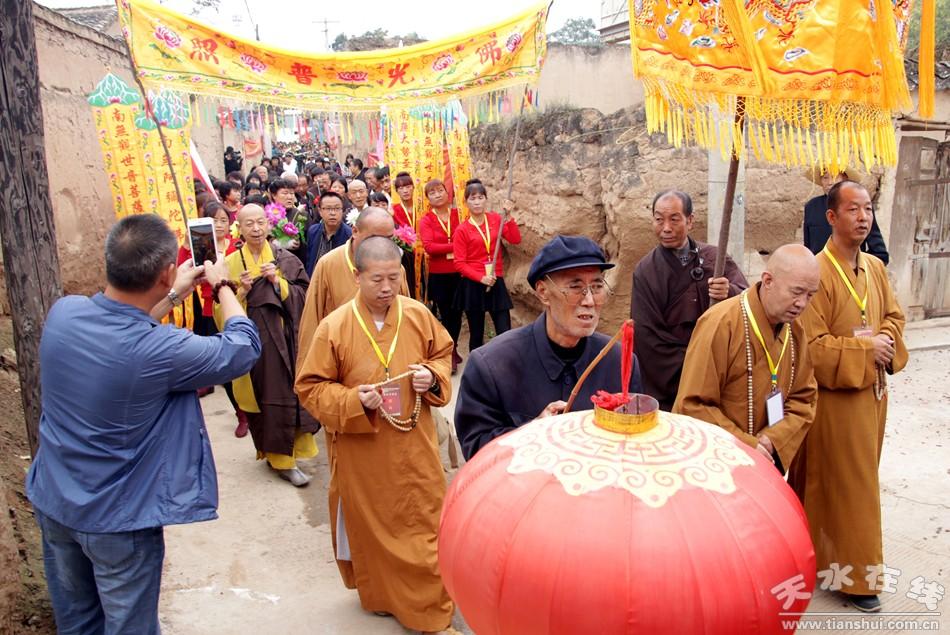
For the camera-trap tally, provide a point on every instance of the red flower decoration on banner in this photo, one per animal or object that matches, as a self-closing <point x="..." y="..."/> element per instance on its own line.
<point x="352" y="76"/>
<point x="514" y="41"/>
<point x="443" y="62"/>
<point x="253" y="63"/>
<point x="166" y="35"/>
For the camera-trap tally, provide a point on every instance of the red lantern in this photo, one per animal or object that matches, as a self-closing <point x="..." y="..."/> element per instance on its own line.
<point x="563" y="526"/>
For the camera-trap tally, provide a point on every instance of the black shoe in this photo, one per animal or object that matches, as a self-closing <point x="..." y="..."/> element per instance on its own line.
<point x="865" y="603"/>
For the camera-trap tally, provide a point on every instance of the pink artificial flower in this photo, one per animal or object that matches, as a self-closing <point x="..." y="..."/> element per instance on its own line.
<point x="290" y="229"/>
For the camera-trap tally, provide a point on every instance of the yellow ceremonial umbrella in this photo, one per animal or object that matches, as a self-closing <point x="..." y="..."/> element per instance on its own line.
<point x="806" y="82"/>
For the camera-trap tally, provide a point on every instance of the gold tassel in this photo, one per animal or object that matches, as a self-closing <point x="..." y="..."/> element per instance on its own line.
<point x="925" y="59"/>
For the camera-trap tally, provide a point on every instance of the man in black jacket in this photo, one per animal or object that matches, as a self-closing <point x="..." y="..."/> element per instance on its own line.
<point x="817" y="231"/>
<point x="529" y="372"/>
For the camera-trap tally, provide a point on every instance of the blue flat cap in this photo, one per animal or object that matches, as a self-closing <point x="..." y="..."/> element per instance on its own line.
<point x="566" y="252"/>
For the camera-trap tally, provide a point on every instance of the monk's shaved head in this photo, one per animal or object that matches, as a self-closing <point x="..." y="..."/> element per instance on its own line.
<point x="371" y="215"/>
<point x="376" y="249"/>
<point x="792" y="258"/>
<point x="789" y="281"/>
<point x="249" y="211"/>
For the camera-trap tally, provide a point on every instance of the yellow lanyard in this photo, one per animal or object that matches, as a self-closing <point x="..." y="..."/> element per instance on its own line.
<point x="385" y="361"/>
<point x="773" y="367"/>
<point x="862" y="304"/>
<point x="346" y="252"/>
<point x="447" y="230"/>
<point x="485" y="238"/>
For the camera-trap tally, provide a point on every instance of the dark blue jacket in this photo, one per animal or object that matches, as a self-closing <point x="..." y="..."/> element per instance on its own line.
<point x="817" y="231"/>
<point x="510" y="380"/>
<point x="313" y="238"/>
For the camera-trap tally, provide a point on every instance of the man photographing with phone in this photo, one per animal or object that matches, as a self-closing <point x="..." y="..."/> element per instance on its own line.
<point x="123" y="446"/>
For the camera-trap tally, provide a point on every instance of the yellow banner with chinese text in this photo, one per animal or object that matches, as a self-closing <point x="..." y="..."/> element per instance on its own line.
<point x="140" y="178"/>
<point x="175" y="51"/>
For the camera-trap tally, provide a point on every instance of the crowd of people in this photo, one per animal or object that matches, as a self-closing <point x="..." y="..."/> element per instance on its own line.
<point x="347" y="328"/>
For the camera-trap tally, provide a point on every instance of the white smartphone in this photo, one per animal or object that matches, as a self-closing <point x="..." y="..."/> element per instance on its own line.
<point x="202" y="240"/>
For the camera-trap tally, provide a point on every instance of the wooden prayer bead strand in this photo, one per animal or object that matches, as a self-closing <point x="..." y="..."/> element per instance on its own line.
<point x="880" y="384"/>
<point x="403" y="425"/>
<point x="748" y="366"/>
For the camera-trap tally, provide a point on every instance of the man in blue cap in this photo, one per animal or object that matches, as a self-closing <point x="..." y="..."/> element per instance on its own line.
<point x="529" y="372"/>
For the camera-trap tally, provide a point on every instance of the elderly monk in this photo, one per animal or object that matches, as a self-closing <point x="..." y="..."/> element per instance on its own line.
<point x="334" y="282"/>
<point x="747" y="368"/>
<point x="376" y="367"/>
<point x="272" y="285"/>
<point x="529" y="372"/>
<point x="672" y="286"/>
<point x="855" y="330"/>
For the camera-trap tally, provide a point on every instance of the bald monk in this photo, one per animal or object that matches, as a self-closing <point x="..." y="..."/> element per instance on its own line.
<point x="334" y="282"/>
<point x="387" y="487"/>
<point x="761" y="324"/>
<point x="272" y="285"/>
<point x="855" y="330"/>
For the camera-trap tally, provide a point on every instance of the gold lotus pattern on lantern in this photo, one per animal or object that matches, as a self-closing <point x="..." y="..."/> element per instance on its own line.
<point x="653" y="466"/>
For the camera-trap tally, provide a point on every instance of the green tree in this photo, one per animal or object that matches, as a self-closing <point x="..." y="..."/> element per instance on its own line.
<point x="373" y="40"/>
<point x="577" y="31"/>
<point x="942" y="52"/>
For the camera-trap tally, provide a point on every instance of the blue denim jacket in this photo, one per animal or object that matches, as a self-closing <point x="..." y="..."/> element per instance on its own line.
<point x="123" y="444"/>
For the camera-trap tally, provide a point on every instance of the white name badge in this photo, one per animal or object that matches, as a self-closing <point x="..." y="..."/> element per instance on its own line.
<point x="775" y="407"/>
<point x="863" y="331"/>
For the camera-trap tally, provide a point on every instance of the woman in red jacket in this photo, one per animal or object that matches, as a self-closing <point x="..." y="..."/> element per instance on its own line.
<point x="436" y="230"/>
<point x="482" y="288"/>
<point x="404" y="213"/>
<point x="204" y="322"/>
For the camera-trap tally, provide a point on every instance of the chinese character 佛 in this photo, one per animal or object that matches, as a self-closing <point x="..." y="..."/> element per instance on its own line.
<point x="489" y="52"/>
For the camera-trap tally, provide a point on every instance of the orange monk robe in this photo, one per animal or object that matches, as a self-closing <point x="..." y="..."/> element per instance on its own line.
<point x="389" y="484"/>
<point x="715" y="382"/>
<point x="333" y="283"/>
<point x="836" y="474"/>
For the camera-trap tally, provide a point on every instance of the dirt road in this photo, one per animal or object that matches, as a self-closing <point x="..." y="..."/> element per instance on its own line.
<point x="266" y="565"/>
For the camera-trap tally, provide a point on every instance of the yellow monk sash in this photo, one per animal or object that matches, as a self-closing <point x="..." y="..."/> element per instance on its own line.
<point x="385" y="361"/>
<point x="862" y="303"/>
<point x="346" y="252"/>
<point x="773" y="366"/>
<point x="486" y="235"/>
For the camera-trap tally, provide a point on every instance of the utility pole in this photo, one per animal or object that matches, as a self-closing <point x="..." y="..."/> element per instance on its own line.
<point x="27" y="235"/>
<point x="257" y="29"/>
<point x="326" y="30"/>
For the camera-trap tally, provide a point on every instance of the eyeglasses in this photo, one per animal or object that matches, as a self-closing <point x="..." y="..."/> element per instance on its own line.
<point x="576" y="292"/>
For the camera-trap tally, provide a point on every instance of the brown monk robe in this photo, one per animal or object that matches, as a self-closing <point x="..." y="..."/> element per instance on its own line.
<point x="836" y="474"/>
<point x="386" y="484"/>
<point x="272" y="285"/>
<point x="672" y="287"/>
<point x="715" y="382"/>
<point x="333" y="281"/>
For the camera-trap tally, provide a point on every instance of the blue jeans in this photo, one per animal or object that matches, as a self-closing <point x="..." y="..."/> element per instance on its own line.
<point x="103" y="584"/>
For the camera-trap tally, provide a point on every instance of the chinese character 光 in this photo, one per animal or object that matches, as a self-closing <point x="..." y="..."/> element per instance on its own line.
<point x="927" y="593"/>
<point x="834" y="577"/>
<point x="489" y="52"/>
<point x="302" y="72"/>
<point x="398" y="74"/>
<point x="881" y="577"/>
<point x="791" y="591"/>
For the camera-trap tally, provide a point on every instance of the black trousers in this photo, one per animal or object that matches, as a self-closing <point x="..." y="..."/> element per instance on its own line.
<point x="205" y="325"/>
<point x="476" y="325"/>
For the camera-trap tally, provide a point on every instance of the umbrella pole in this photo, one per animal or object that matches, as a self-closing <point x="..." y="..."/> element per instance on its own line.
<point x="730" y="196"/>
